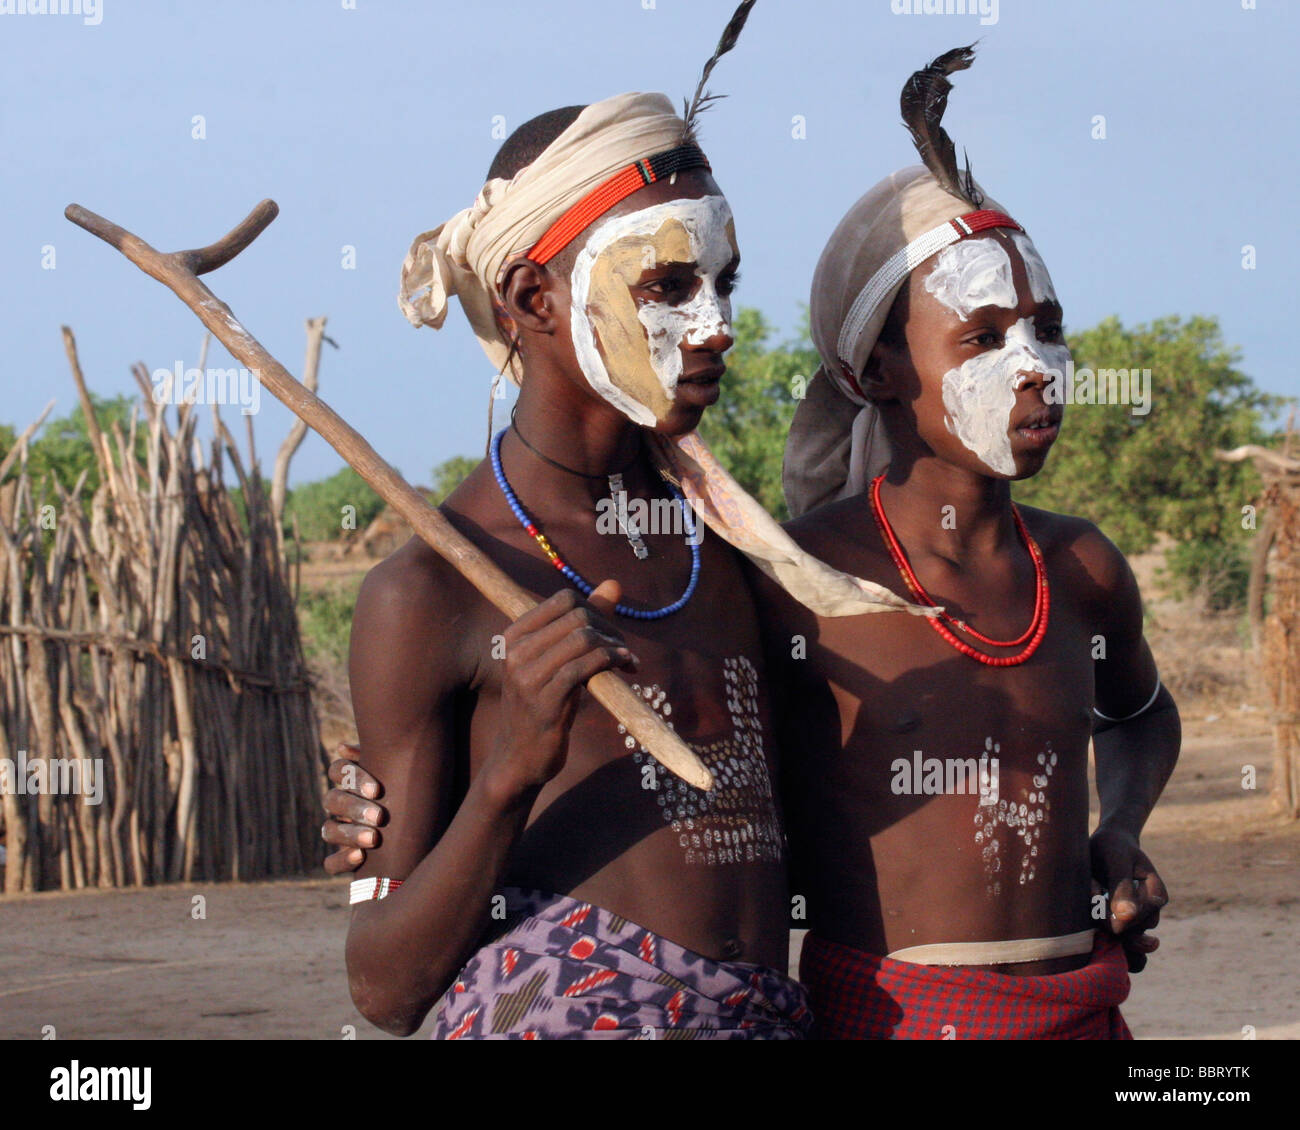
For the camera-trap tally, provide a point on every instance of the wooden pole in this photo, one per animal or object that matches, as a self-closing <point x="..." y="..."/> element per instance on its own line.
<point x="298" y="432"/>
<point x="1274" y="601"/>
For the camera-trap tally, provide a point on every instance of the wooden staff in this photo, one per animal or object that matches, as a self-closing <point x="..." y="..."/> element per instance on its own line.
<point x="179" y="271"/>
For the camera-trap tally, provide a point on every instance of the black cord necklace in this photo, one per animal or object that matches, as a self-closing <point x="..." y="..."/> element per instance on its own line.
<point x="560" y="466"/>
<point x="617" y="491"/>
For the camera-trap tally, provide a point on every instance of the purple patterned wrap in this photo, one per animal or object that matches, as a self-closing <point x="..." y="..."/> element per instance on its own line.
<point x="565" y="969"/>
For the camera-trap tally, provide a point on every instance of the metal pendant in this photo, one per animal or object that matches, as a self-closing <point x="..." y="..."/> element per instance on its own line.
<point x="625" y="521"/>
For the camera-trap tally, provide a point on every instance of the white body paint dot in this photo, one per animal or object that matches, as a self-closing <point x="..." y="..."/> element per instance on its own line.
<point x="1022" y="822"/>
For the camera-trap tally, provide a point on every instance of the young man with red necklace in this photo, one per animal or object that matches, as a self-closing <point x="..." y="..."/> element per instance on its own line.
<point x="937" y="770"/>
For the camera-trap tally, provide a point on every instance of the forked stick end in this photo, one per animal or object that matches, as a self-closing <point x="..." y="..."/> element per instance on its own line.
<point x="198" y="261"/>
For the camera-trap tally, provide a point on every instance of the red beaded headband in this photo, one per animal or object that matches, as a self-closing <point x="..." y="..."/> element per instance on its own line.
<point x="618" y="188"/>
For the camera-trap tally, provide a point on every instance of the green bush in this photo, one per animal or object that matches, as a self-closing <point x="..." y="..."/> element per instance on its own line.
<point x="448" y="475"/>
<point x="1137" y="476"/>
<point x="747" y="428"/>
<point x="322" y="507"/>
<point x="325" y="619"/>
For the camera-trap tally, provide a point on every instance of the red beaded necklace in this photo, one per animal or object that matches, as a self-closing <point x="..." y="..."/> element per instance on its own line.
<point x="1042" y="597"/>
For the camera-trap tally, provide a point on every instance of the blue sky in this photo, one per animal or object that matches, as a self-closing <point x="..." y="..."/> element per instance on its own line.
<point x="371" y="122"/>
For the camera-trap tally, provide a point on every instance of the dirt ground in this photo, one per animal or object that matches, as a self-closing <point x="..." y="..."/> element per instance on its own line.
<point x="265" y="960"/>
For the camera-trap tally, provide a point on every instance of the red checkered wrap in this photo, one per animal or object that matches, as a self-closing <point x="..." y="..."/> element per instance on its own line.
<point x="859" y="996"/>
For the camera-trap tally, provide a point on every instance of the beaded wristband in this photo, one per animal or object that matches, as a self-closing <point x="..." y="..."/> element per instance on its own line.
<point x="366" y="890"/>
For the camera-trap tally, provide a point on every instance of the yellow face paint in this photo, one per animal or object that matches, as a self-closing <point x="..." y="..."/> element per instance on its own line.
<point x="630" y="353"/>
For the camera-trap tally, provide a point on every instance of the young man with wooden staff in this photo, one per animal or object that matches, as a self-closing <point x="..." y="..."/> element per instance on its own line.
<point x="539" y="872"/>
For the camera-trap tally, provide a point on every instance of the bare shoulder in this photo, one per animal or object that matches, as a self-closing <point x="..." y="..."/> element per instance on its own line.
<point x="412" y="614"/>
<point x="840" y="533"/>
<point x="412" y="581"/>
<point x="779" y="613"/>
<point x="815" y="529"/>
<point x="414" y="588"/>
<point x="1079" y="548"/>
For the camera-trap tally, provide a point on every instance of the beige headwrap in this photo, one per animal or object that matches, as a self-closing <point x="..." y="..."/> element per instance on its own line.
<point x="464" y="256"/>
<point x="837" y="442"/>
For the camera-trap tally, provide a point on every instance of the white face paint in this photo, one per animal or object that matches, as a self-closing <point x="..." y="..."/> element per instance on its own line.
<point x="1040" y="282"/>
<point x="641" y="342"/>
<point x="972" y="273"/>
<point x="980" y="395"/>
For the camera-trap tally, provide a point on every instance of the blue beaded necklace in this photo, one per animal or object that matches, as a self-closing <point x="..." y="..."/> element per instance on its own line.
<point x="580" y="582"/>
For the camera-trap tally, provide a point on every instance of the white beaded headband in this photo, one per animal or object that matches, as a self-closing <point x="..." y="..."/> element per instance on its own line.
<point x="898" y="266"/>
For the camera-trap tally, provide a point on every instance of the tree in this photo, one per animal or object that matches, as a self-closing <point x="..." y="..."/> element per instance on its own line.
<point x="448" y="475"/>
<point x="1137" y="476"/>
<point x="747" y="427"/>
<point x="63" y="446"/>
<point x="320" y="506"/>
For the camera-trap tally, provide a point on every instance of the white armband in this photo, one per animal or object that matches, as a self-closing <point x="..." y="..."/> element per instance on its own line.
<point x="1108" y="718"/>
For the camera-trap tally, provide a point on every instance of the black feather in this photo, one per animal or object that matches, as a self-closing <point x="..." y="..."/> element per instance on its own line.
<point x="702" y="100"/>
<point x="923" y="101"/>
